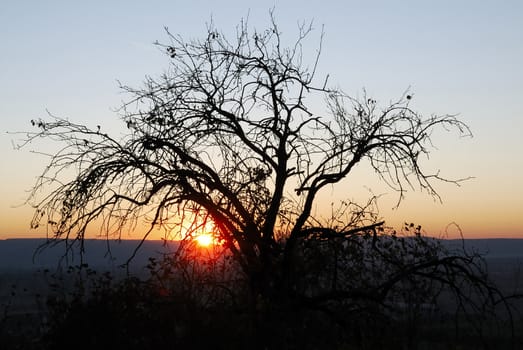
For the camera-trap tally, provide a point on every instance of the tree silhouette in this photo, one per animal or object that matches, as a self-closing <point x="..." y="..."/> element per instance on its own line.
<point x="226" y="134"/>
<point x="232" y="138"/>
<point x="232" y="135"/>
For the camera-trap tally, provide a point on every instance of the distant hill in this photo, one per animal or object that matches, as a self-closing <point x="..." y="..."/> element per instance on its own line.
<point x="492" y="248"/>
<point x="19" y="254"/>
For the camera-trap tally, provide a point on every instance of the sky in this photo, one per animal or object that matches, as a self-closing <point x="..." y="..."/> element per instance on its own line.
<point x="455" y="57"/>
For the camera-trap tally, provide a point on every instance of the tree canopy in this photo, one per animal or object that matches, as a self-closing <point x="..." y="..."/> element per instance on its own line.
<point x="231" y="135"/>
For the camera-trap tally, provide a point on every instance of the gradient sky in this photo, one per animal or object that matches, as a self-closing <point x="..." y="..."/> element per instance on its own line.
<point x="457" y="57"/>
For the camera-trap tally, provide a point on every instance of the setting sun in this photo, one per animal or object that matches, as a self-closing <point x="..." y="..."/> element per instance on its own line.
<point x="204" y="240"/>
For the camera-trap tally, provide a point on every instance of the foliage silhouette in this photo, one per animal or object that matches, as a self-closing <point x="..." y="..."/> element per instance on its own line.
<point x="173" y="309"/>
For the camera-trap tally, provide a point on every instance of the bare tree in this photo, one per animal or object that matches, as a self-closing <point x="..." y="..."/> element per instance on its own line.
<point x="227" y="136"/>
<point x="232" y="139"/>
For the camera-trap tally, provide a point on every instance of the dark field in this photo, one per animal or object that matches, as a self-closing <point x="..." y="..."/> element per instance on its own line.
<point x="27" y="281"/>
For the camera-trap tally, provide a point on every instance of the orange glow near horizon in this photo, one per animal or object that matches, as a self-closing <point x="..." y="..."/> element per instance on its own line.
<point x="434" y="219"/>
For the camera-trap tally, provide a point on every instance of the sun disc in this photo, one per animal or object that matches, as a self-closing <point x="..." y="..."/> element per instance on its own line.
<point x="204" y="240"/>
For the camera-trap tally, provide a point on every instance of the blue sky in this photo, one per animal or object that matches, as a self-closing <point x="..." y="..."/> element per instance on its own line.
<point x="457" y="57"/>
